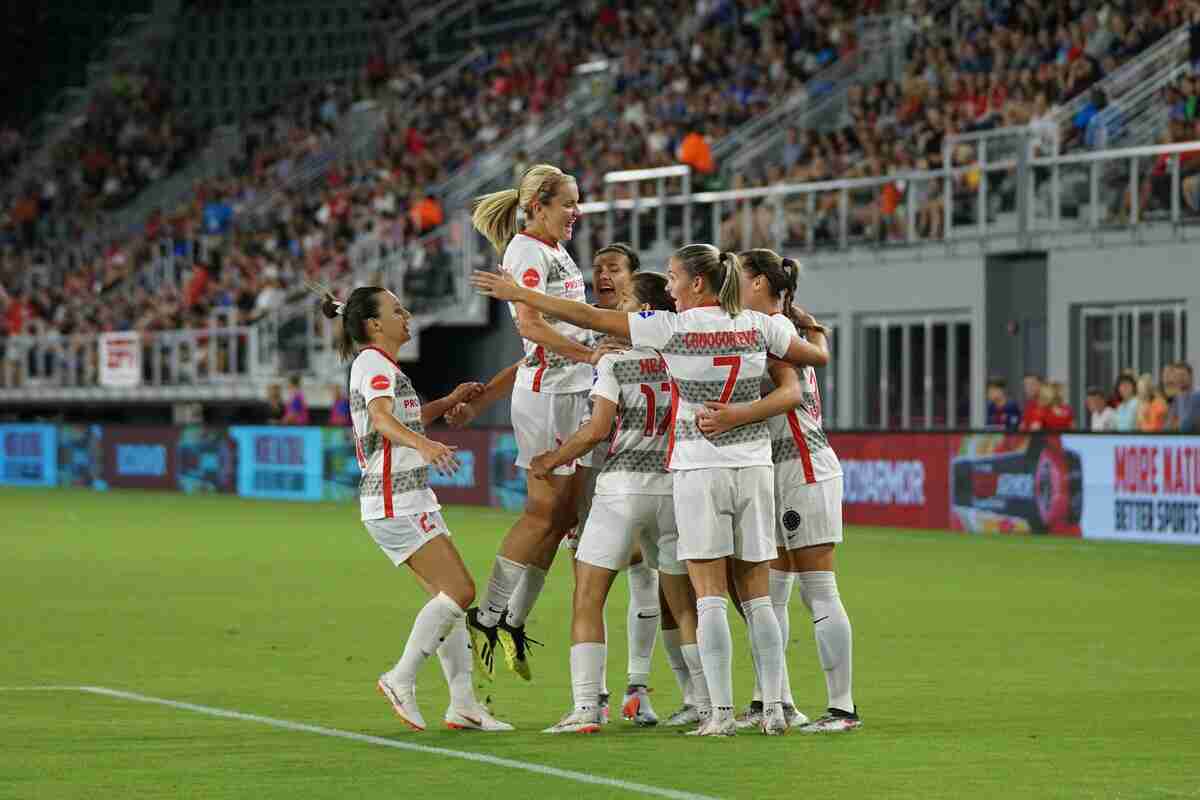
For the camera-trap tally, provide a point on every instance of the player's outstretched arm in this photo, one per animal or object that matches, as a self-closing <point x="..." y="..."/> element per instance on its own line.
<point x="533" y="326"/>
<point x="503" y="287"/>
<point x="500" y="385"/>
<point x="437" y="455"/>
<point x="592" y="433"/>
<point x="788" y="394"/>
<point x="463" y="393"/>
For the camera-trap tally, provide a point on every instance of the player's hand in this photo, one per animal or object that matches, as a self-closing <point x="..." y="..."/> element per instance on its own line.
<point x="606" y="347"/>
<point x="716" y="418"/>
<point x="466" y="392"/>
<point x="807" y="320"/>
<point x="439" y="456"/>
<point x="499" y="285"/>
<point x="541" y="466"/>
<point x="461" y="415"/>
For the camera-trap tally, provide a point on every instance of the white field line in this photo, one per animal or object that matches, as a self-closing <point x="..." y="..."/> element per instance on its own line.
<point x="540" y="769"/>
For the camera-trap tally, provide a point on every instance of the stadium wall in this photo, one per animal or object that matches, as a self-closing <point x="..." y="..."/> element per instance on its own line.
<point x="1123" y="487"/>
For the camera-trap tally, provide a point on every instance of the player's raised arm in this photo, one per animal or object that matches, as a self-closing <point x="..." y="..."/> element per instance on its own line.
<point x="503" y="287"/>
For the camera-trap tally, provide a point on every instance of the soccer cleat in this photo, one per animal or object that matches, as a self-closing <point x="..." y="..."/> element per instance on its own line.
<point x="403" y="701"/>
<point x="686" y="715"/>
<point x="719" y="723"/>
<point x="794" y="718"/>
<point x="774" y="723"/>
<point x="577" y="721"/>
<point x="483" y="643"/>
<point x="636" y="707"/>
<point x="476" y="719"/>
<point x="604" y="713"/>
<point x="752" y="717"/>
<point x="836" y="721"/>
<point x="516" y="647"/>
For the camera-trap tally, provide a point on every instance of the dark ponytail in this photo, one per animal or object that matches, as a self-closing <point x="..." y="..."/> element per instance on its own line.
<point x="783" y="274"/>
<point x="362" y="305"/>
<point x="650" y="289"/>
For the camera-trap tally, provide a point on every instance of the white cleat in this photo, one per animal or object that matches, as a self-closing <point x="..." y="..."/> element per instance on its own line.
<point x="687" y="715"/>
<point x="636" y="707"/>
<point x="577" y="721"/>
<point x="794" y="718"/>
<point x="475" y="719"/>
<point x="718" y="724"/>
<point x="836" y="721"/>
<point x="751" y="717"/>
<point x="404" y="702"/>
<point x="774" y="723"/>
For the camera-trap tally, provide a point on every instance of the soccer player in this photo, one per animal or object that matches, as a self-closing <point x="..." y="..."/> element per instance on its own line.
<point x="549" y="399"/>
<point x="631" y="506"/>
<point x="399" y="509"/>
<point x="723" y="491"/>
<point x="808" y="502"/>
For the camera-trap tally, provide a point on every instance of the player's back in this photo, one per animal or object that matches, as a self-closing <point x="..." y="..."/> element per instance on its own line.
<point x="636" y="462"/>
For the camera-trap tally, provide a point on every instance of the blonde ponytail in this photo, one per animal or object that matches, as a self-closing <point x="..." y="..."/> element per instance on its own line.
<point x="495" y="214"/>
<point x="722" y="273"/>
<point x="730" y="295"/>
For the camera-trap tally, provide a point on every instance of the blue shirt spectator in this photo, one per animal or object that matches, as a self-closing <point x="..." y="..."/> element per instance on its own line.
<point x="1001" y="412"/>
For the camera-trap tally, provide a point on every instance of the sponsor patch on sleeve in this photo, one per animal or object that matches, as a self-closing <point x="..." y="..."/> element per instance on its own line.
<point x="381" y="382"/>
<point x="531" y="278"/>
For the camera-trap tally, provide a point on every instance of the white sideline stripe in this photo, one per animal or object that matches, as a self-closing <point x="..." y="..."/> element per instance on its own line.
<point x="540" y="769"/>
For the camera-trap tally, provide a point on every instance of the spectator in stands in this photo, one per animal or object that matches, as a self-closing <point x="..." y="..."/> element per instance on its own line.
<point x="1032" y="386"/>
<point x="1001" y="411"/>
<point x="296" y="411"/>
<point x="275" y="407"/>
<point x="1127" y="402"/>
<point x="1152" y="406"/>
<point x="1057" y="414"/>
<point x="339" y="406"/>
<point x="696" y="152"/>
<point x="1103" y="417"/>
<point x="1186" y="405"/>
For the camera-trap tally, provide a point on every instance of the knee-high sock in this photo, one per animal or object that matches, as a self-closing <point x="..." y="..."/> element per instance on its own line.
<point x="433" y="622"/>
<point x="716" y="649"/>
<point x="831" y="627"/>
<point x="673" y="645"/>
<point x="642" y="621"/>
<point x="455" y="656"/>
<point x="695" y="665"/>
<point x="781" y="597"/>
<point x="506" y="574"/>
<point x="587" y="659"/>
<point x="525" y="595"/>
<point x="767" y="645"/>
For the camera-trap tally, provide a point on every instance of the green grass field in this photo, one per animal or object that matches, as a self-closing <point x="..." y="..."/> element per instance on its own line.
<point x="984" y="666"/>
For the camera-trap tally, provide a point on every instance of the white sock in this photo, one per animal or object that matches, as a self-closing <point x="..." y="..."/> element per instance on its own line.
<point x="525" y="595"/>
<point x="673" y="645"/>
<point x="455" y="655"/>
<point x="695" y="665"/>
<point x="781" y="596"/>
<point x="716" y="649"/>
<point x="506" y="574"/>
<point x="831" y="627"/>
<point x="433" y="622"/>
<point x="768" y="648"/>
<point x="642" y="621"/>
<point x="587" y="660"/>
<point x="604" y="667"/>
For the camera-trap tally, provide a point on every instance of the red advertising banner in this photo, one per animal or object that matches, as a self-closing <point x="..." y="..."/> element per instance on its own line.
<point x="897" y="480"/>
<point x="137" y="457"/>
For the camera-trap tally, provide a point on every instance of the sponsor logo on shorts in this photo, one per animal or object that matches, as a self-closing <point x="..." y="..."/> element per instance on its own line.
<point x="791" y="519"/>
<point x="380" y="382"/>
<point x="531" y="278"/>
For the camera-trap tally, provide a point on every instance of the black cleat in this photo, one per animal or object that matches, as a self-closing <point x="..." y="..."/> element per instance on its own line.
<point x="483" y="641"/>
<point x="516" y="647"/>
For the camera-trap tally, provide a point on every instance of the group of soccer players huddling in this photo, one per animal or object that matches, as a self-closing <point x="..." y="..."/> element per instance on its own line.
<point x="673" y="429"/>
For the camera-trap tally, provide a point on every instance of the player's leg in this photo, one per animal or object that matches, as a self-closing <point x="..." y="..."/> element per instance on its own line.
<point x="642" y="620"/>
<point x="673" y="646"/>
<point x="420" y="542"/>
<point x="821" y="531"/>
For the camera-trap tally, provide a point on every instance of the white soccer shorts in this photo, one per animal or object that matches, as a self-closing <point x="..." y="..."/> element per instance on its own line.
<point x="542" y="422"/>
<point x="726" y="511"/>
<point x="400" y="537"/>
<point x="619" y="521"/>
<point x="808" y="514"/>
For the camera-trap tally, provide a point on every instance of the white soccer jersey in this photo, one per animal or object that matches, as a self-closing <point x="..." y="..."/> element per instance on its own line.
<point x="639" y="383"/>
<point x="799" y="447"/>
<point x="395" y="479"/>
<point x="713" y="357"/>
<point x="537" y="265"/>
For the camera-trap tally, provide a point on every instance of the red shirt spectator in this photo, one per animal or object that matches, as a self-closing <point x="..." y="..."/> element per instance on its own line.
<point x="1058" y="417"/>
<point x="695" y="152"/>
<point x="196" y="287"/>
<point x="426" y="213"/>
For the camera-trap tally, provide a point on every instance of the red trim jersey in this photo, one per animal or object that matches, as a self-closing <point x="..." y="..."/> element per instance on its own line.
<point x="538" y="265"/>
<point x="638" y="382"/>
<point x="713" y="356"/>
<point x="395" y="479"/>
<point x="799" y="448"/>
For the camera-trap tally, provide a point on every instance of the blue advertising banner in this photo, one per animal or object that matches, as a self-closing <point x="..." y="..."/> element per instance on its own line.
<point x="28" y="455"/>
<point x="278" y="463"/>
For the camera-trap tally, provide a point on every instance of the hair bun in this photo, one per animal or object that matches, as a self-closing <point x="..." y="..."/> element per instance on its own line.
<point x="331" y="308"/>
